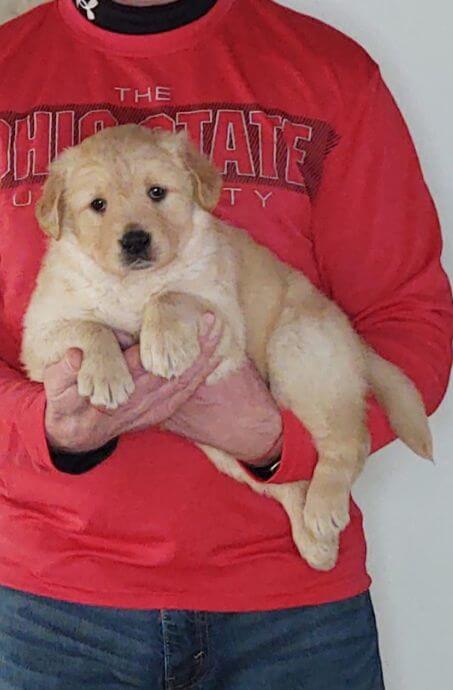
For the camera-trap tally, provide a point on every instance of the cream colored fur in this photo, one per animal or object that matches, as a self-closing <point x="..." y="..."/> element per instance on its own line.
<point x="301" y="342"/>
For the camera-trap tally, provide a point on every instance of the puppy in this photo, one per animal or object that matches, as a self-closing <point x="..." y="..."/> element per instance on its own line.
<point x="134" y="247"/>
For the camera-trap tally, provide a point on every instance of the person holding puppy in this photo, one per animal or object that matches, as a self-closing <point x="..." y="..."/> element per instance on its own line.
<point x="112" y="576"/>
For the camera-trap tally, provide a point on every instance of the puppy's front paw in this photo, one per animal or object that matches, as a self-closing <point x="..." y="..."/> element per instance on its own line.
<point x="326" y="511"/>
<point x="105" y="380"/>
<point x="169" y="352"/>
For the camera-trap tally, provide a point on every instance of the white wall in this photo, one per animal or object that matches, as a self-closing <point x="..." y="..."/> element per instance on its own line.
<point x="11" y="8"/>
<point x="408" y="505"/>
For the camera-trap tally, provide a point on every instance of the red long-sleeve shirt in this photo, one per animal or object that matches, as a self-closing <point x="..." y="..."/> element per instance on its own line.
<point x="319" y="166"/>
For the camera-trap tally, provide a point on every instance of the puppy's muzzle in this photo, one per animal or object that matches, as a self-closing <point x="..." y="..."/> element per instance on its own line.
<point x="136" y="247"/>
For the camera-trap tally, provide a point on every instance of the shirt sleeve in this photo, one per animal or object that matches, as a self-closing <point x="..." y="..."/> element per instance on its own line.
<point x="377" y="243"/>
<point x="22" y="410"/>
<point x="80" y="463"/>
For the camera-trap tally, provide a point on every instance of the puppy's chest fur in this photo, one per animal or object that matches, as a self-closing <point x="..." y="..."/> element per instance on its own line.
<point x="71" y="286"/>
<point x="115" y="303"/>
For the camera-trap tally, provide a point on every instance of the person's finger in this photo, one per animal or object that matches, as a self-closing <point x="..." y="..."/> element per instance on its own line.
<point x="201" y="373"/>
<point x="169" y="395"/>
<point x="209" y="331"/>
<point x="206" y="362"/>
<point x="61" y="376"/>
<point x="133" y="360"/>
<point x="178" y="391"/>
<point x="126" y="340"/>
<point x="206" y="323"/>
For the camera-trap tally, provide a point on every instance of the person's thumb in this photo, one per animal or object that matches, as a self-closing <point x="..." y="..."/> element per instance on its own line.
<point x="63" y="375"/>
<point x="134" y="361"/>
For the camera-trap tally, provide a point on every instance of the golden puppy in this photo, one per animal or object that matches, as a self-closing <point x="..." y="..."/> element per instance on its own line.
<point x="134" y="247"/>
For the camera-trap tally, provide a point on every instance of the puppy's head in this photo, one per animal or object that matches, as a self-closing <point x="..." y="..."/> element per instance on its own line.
<point x="127" y="195"/>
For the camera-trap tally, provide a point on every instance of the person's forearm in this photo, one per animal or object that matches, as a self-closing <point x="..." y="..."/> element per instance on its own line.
<point x="255" y="446"/>
<point x="237" y="415"/>
<point x="258" y="443"/>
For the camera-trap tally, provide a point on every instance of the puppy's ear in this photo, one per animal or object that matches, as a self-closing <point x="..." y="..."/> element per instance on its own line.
<point x="207" y="179"/>
<point x="50" y="207"/>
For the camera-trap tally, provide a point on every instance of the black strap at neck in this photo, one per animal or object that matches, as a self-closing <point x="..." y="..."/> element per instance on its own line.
<point x="127" y="19"/>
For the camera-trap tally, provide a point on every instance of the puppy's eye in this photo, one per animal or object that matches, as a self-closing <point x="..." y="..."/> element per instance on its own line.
<point x="99" y="205"/>
<point x="157" y="193"/>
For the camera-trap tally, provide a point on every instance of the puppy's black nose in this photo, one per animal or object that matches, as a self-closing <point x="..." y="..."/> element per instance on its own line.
<point x="136" y="241"/>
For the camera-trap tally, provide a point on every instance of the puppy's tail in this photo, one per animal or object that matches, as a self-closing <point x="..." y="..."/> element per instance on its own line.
<point x="403" y="403"/>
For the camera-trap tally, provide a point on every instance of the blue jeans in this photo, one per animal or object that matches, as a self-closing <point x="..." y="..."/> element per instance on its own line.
<point x="51" y="645"/>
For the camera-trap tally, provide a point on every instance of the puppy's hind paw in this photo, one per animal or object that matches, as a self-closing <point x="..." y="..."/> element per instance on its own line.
<point x="321" y="554"/>
<point x="326" y="511"/>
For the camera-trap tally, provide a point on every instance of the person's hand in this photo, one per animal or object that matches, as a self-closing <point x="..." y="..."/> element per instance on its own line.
<point x="73" y="425"/>
<point x="237" y="415"/>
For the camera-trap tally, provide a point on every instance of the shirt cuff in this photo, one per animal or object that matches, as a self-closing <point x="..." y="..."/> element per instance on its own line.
<point x="298" y="456"/>
<point x="30" y="426"/>
<point x="79" y="463"/>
